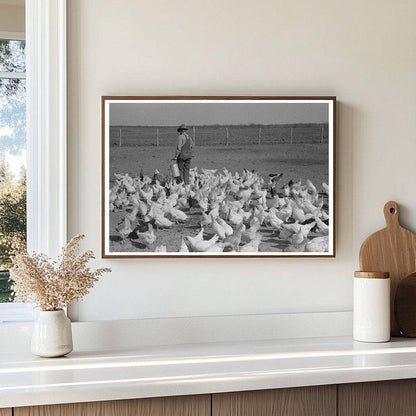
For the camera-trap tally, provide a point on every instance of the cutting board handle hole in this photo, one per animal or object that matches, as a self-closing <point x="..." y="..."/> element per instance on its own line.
<point x="392" y="211"/>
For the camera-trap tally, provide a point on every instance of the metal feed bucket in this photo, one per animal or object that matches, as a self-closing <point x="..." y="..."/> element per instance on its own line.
<point x="174" y="169"/>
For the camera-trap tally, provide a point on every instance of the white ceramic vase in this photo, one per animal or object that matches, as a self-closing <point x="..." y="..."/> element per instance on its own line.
<point x="52" y="334"/>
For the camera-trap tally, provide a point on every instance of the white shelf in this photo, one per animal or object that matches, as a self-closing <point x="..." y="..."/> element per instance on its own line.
<point x="151" y="371"/>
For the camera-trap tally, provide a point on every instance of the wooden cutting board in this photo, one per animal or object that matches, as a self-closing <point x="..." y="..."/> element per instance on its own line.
<point x="393" y="250"/>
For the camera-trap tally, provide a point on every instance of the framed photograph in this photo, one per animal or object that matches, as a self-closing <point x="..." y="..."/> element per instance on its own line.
<point x="218" y="176"/>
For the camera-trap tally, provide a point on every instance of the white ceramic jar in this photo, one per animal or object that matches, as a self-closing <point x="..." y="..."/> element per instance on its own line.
<point x="52" y="334"/>
<point x="371" y="305"/>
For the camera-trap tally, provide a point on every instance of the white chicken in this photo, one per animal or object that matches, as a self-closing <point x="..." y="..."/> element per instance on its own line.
<point x="251" y="247"/>
<point x="162" y="222"/>
<point x="124" y="229"/>
<point x="227" y="228"/>
<point x="218" y="228"/>
<point x="146" y="238"/>
<point x="235" y="216"/>
<point x="216" y="248"/>
<point x="201" y="245"/>
<point x="183" y="248"/>
<point x="317" y="245"/>
<point x="177" y="214"/>
<point x="161" y="249"/>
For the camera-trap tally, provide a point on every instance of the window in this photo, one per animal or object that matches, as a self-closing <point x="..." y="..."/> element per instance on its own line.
<point x="12" y="153"/>
<point x="45" y="27"/>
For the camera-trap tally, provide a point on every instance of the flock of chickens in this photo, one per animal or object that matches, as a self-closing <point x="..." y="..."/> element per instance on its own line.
<point x="235" y="211"/>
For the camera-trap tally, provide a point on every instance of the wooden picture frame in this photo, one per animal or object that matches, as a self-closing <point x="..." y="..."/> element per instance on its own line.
<point x="277" y="139"/>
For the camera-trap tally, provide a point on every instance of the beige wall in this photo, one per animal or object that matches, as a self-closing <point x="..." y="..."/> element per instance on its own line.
<point x="12" y="18"/>
<point x="361" y="51"/>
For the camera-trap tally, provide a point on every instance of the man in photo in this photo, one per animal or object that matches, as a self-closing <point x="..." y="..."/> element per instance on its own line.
<point x="184" y="153"/>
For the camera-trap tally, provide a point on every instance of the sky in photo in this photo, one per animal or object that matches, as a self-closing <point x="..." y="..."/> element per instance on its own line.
<point x="172" y="114"/>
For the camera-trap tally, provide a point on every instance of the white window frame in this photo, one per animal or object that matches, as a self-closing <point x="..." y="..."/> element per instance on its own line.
<point x="46" y="127"/>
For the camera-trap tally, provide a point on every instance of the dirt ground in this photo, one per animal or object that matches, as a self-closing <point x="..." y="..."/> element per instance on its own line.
<point x="300" y="161"/>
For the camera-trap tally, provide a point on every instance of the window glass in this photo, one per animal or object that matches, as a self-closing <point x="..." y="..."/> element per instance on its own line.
<point x="12" y="156"/>
<point x="12" y="56"/>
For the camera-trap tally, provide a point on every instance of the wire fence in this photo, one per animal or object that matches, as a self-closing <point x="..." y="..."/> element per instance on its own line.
<point x="220" y="135"/>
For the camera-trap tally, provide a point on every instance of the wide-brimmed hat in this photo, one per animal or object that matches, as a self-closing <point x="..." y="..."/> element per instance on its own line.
<point x="182" y="127"/>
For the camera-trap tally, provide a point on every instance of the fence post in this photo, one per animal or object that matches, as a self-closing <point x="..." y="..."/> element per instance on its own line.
<point x="157" y="137"/>
<point x="226" y="135"/>
<point x="120" y="136"/>
<point x="322" y="134"/>
<point x="291" y="135"/>
<point x="259" y="135"/>
<point x="193" y="132"/>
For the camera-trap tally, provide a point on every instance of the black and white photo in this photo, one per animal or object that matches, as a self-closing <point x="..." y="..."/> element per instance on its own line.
<point x="218" y="176"/>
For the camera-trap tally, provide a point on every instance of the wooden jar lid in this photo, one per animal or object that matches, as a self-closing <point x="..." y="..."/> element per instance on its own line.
<point x="372" y="275"/>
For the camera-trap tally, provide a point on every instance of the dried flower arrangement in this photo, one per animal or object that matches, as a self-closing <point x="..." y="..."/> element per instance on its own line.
<point x="53" y="285"/>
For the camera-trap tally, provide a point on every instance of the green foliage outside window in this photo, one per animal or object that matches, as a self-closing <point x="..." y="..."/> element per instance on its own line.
<point x="12" y="223"/>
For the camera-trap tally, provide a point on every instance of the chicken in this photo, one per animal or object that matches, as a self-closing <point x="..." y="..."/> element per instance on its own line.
<point x="234" y="240"/>
<point x="200" y="235"/>
<point x="308" y="207"/>
<point x="124" y="228"/>
<point x="293" y="228"/>
<point x="322" y="227"/>
<point x="251" y="233"/>
<point x="158" y="177"/>
<point x="121" y="200"/>
<point x="146" y="238"/>
<point x="183" y="248"/>
<point x="258" y="193"/>
<point x="162" y="222"/>
<point x="177" y="214"/>
<point x="161" y="197"/>
<point x="113" y="193"/>
<point x="133" y="214"/>
<point x="284" y="213"/>
<point x="235" y="217"/>
<point x="203" y="203"/>
<point x="301" y="235"/>
<point x="274" y="221"/>
<point x="273" y="183"/>
<point x="252" y="246"/>
<point x="206" y="220"/>
<point x="146" y="194"/>
<point x="258" y="215"/>
<point x="227" y="228"/>
<point x="201" y="245"/>
<point x="143" y="208"/>
<point x="297" y="213"/>
<point x="274" y="202"/>
<point x="310" y="186"/>
<point x="245" y="195"/>
<point x="218" y="228"/>
<point x="216" y="248"/>
<point x="141" y="205"/>
<point x="317" y="245"/>
<point x="215" y="211"/>
<point x="182" y="202"/>
<point x="161" y="249"/>
<point x="127" y="182"/>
